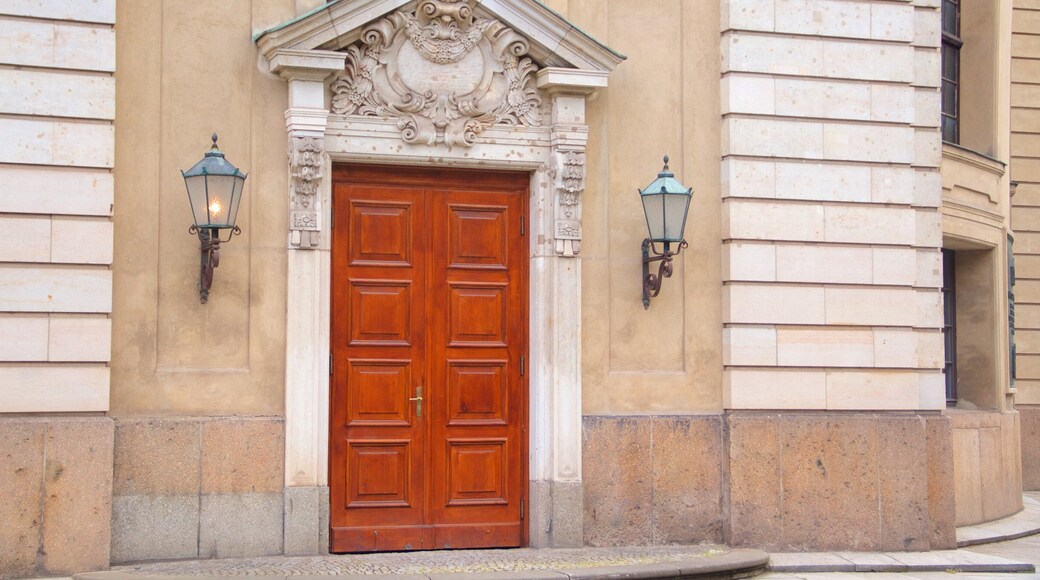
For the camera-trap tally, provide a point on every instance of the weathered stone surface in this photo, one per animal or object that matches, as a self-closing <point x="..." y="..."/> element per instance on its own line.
<point x="830" y="475"/>
<point x="323" y="519"/>
<point x="157" y="456"/>
<point x="618" y="477"/>
<point x="903" y="483"/>
<point x="77" y="480"/>
<point x="243" y="455"/>
<point x="301" y="513"/>
<point x="154" y="527"/>
<point x="567" y="524"/>
<point x="21" y="479"/>
<point x="941" y="514"/>
<point x="240" y="525"/>
<point x="1029" y="417"/>
<point x="755" y="481"/>
<point x="687" y="480"/>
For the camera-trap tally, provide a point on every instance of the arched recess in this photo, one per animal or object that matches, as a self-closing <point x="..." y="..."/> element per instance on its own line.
<point x="529" y="72"/>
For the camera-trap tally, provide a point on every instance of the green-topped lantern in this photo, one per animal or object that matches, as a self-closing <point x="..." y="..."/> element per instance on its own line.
<point x="665" y="204"/>
<point x="215" y="192"/>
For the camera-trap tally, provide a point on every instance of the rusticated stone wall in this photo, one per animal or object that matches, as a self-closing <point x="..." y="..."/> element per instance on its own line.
<point x="55" y="495"/>
<point x="777" y="481"/>
<point x="652" y="480"/>
<point x="197" y="487"/>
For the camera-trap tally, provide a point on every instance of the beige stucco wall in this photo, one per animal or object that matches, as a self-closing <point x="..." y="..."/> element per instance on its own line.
<point x="667" y="358"/>
<point x="187" y="69"/>
<point x="173" y="355"/>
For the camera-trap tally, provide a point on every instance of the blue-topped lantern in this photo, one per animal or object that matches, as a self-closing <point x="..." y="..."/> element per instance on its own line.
<point x="215" y="192"/>
<point x="665" y="204"/>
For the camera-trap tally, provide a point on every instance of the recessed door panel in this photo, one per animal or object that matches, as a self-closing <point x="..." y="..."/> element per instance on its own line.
<point x="382" y="232"/>
<point x="381" y="312"/>
<point x="383" y="389"/>
<point x="478" y="314"/>
<point x="478" y="392"/>
<point x="427" y="431"/>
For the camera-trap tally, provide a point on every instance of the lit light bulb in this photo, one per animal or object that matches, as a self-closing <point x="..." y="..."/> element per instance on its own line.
<point x="214" y="208"/>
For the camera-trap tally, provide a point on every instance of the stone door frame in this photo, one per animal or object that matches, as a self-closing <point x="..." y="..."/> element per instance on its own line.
<point x="553" y="153"/>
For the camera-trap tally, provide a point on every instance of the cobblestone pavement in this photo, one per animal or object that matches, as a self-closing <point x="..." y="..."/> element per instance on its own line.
<point x="399" y="563"/>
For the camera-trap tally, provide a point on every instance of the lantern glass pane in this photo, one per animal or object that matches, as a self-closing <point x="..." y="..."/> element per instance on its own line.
<point x="236" y="200"/>
<point x="197" y="196"/>
<point x="218" y="206"/>
<point x="653" y="207"/>
<point x="675" y="210"/>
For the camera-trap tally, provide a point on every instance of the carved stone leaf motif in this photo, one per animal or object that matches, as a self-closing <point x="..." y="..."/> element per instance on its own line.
<point x="306" y="167"/>
<point x="570" y="183"/>
<point x="444" y="73"/>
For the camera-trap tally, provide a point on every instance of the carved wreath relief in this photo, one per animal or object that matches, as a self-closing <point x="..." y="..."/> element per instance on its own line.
<point x="443" y="72"/>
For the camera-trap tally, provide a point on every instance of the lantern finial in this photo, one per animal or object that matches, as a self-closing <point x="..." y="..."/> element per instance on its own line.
<point x="665" y="161"/>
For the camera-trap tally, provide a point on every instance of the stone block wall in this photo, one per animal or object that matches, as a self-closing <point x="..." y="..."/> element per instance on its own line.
<point x="776" y="481"/>
<point x="197" y="487"/>
<point x="57" y="107"/>
<point x="1025" y="220"/>
<point x="55" y="507"/>
<point x="830" y="221"/>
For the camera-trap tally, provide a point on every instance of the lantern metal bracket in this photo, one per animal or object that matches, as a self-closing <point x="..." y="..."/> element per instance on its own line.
<point x="652" y="282"/>
<point x="210" y="255"/>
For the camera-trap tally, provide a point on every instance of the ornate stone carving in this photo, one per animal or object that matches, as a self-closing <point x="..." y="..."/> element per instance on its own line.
<point x="306" y="158"/>
<point x="443" y="72"/>
<point x="569" y="180"/>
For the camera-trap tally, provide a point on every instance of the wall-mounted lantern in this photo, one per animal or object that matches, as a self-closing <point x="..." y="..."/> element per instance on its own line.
<point x="665" y="203"/>
<point x="214" y="192"/>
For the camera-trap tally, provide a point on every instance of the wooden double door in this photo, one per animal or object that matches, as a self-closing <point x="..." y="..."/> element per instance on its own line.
<point x="428" y="426"/>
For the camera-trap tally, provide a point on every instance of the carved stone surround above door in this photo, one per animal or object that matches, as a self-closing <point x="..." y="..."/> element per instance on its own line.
<point x="494" y="84"/>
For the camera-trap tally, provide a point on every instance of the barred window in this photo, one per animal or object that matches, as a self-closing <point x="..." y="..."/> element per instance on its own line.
<point x="951" y="70"/>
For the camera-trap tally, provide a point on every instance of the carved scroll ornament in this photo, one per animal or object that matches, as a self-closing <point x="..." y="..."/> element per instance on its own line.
<point x="306" y="157"/>
<point x="443" y="72"/>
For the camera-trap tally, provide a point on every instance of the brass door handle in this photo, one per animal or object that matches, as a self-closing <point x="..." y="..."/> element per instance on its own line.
<point x="418" y="401"/>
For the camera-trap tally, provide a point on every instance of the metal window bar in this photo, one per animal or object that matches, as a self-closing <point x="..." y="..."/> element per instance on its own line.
<point x="950" y="326"/>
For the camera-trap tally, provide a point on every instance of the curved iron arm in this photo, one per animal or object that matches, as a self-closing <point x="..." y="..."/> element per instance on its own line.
<point x="652" y="282"/>
<point x="210" y="241"/>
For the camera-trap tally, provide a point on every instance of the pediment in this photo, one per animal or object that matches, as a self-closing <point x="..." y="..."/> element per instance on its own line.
<point x="553" y="42"/>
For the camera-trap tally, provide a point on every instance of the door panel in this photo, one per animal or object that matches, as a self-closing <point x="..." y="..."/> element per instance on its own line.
<point x="376" y="442"/>
<point x="438" y="301"/>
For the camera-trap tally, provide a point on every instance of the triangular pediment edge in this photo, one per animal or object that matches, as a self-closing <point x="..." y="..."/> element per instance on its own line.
<point x="554" y="41"/>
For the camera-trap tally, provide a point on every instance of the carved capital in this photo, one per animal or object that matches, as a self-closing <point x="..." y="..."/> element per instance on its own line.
<point x="306" y="169"/>
<point x="444" y="73"/>
<point x="569" y="183"/>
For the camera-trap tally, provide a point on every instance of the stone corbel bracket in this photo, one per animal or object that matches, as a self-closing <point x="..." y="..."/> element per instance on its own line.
<point x="305" y="122"/>
<point x="568" y="89"/>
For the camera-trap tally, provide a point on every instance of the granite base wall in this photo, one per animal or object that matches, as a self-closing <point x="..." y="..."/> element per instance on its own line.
<point x="197" y="487"/>
<point x="988" y="464"/>
<point x="1029" y="421"/>
<point x="55" y="503"/>
<point x="777" y="481"/>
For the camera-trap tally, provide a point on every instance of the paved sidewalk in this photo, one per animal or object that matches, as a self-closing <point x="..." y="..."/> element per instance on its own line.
<point x="516" y="564"/>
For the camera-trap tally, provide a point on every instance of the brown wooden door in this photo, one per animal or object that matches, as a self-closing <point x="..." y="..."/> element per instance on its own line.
<point x="429" y="299"/>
